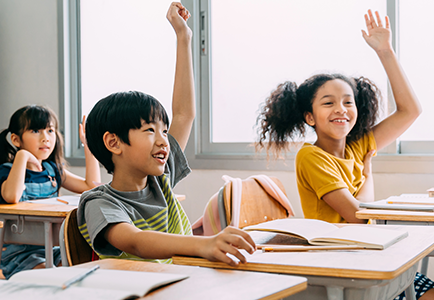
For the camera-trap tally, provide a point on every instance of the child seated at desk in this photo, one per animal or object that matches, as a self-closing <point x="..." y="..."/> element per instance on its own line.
<point x="334" y="174"/>
<point x="33" y="168"/>
<point x="136" y="216"/>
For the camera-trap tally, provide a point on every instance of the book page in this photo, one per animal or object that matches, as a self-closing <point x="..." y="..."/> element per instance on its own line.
<point x="136" y="283"/>
<point x="305" y="228"/>
<point x="371" y="237"/>
<point x="21" y="290"/>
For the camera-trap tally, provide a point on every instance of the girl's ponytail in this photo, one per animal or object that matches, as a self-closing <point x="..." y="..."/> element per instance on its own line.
<point x="280" y="120"/>
<point x="7" y="152"/>
<point x="367" y="102"/>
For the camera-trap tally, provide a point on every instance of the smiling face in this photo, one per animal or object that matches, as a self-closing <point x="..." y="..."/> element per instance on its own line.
<point x="148" y="150"/>
<point x="334" y="111"/>
<point x="39" y="142"/>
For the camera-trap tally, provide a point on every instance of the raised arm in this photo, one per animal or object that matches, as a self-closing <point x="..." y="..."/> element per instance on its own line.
<point x="183" y="102"/>
<point x="76" y="183"/>
<point x="407" y="106"/>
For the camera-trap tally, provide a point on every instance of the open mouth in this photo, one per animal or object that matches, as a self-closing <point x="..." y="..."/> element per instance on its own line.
<point x="340" y="120"/>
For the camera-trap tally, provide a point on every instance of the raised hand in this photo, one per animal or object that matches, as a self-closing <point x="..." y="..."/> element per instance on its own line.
<point x="178" y="16"/>
<point x="378" y="36"/>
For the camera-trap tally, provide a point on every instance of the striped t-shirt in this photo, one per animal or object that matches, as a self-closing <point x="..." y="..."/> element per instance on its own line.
<point x="148" y="209"/>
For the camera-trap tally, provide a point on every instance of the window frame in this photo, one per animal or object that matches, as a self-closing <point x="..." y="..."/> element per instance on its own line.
<point x="399" y="157"/>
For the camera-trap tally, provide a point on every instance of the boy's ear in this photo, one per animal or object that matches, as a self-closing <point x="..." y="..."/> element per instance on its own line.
<point x="112" y="142"/>
<point x="308" y="117"/>
<point x="15" y="139"/>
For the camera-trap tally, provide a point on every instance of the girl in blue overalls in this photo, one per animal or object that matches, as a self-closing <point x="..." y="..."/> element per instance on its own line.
<point x="33" y="168"/>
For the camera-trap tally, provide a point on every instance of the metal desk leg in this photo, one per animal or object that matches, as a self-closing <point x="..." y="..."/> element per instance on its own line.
<point x="48" y="244"/>
<point x="2" y="236"/>
<point x="409" y="292"/>
<point x="424" y="265"/>
<point x="335" y="293"/>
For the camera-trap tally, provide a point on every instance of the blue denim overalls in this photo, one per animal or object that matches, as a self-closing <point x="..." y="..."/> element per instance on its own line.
<point x="24" y="257"/>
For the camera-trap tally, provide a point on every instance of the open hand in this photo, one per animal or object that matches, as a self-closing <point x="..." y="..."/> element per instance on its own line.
<point x="178" y="16"/>
<point x="378" y="36"/>
<point x="228" y="241"/>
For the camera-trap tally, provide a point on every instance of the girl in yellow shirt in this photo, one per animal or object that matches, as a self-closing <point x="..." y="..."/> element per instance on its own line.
<point x="334" y="174"/>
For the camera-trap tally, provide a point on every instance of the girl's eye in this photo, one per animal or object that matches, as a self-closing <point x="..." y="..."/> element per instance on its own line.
<point x="150" y="129"/>
<point x="34" y="131"/>
<point x="51" y="130"/>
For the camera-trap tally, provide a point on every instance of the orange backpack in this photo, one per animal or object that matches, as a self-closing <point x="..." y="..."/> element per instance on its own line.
<point x="241" y="203"/>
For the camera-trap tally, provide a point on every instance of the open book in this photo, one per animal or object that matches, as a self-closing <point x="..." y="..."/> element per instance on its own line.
<point x="101" y="284"/>
<point x="415" y="202"/>
<point x="321" y="233"/>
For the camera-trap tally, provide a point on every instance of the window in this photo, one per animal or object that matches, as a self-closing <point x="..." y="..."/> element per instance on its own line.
<point x="240" y="55"/>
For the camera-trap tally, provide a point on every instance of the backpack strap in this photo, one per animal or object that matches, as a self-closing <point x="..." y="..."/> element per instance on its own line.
<point x="274" y="191"/>
<point x="237" y="187"/>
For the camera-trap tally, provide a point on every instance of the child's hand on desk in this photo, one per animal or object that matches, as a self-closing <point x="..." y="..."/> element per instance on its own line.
<point x="228" y="241"/>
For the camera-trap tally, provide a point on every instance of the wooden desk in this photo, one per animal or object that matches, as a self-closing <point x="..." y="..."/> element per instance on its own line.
<point x="404" y="217"/>
<point x="34" y="224"/>
<point x="357" y="274"/>
<point x="209" y="284"/>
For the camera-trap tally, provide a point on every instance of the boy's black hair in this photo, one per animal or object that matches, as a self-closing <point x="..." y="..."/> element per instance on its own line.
<point x="117" y="114"/>
<point x="282" y="117"/>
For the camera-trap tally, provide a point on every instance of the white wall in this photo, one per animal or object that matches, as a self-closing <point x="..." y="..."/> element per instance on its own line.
<point x="29" y="74"/>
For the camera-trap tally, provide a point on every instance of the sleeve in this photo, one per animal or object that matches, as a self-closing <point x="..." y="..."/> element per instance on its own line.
<point x="98" y="214"/>
<point x="177" y="164"/>
<point x="363" y="146"/>
<point x="318" y="172"/>
<point x="4" y="173"/>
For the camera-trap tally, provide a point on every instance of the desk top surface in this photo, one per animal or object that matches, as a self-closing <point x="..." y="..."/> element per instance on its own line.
<point x="361" y="264"/>
<point x="397" y="215"/>
<point x="204" y="283"/>
<point x="36" y="209"/>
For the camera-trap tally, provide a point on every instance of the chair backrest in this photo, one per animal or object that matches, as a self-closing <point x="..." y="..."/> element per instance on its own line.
<point x="77" y="250"/>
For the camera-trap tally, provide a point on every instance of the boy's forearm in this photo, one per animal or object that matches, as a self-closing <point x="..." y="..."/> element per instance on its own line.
<point x="160" y="245"/>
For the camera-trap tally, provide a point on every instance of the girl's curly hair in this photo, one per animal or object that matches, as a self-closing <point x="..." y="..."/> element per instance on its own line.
<point x="281" y="119"/>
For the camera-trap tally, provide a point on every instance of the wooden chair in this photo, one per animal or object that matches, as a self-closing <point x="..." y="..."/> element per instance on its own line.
<point x="74" y="248"/>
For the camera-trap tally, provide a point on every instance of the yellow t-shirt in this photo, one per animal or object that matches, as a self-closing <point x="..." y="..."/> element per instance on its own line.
<point x="319" y="172"/>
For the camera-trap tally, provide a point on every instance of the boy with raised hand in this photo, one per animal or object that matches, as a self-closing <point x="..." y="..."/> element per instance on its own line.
<point x="136" y="216"/>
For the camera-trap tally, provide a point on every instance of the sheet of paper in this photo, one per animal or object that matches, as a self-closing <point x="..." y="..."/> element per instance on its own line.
<point x="65" y="200"/>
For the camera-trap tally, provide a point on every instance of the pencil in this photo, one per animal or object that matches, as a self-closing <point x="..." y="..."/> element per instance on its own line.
<point x="79" y="277"/>
<point x="63" y="201"/>
<point x="416" y="203"/>
<point x="310" y="248"/>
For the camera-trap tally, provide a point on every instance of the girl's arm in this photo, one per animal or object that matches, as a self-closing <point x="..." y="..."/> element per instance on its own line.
<point x="346" y="204"/>
<point x="79" y="184"/>
<point x="13" y="187"/>
<point x="183" y="102"/>
<point x="407" y="106"/>
<point x="155" y="245"/>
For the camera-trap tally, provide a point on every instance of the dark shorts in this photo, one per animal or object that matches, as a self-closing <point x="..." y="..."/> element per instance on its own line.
<point x="18" y="258"/>
<point x="421" y="285"/>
